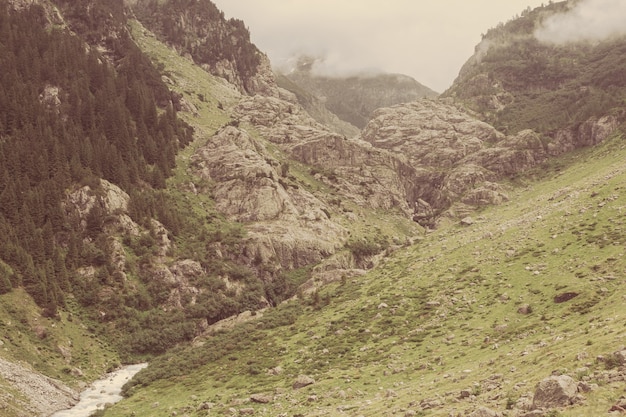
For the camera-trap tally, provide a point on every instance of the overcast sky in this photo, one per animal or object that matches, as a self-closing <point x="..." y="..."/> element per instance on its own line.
<point x="426" y="39"/>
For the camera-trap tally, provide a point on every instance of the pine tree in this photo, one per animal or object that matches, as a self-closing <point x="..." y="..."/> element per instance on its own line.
<point x="5" y="281"/>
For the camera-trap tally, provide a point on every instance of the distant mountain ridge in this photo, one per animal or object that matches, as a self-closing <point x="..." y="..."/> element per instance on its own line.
<point x="354" y="97"/>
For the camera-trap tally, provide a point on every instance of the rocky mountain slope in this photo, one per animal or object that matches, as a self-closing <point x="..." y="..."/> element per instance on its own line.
<point x="267" y="207"/>
<point x="516" y="313"/>
<point x="516" y="81"/>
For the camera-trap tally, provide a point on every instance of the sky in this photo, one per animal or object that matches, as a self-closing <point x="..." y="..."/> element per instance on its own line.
<point x="425" y="39"/>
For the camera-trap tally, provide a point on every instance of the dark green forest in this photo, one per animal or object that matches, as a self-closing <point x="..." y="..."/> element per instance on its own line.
<point x="102" y="123"/>
<point x="200" y="29"/>
<point x="74" y="114"/>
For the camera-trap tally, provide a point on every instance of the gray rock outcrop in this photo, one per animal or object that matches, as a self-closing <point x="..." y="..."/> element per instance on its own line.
<point x="440" y="143"/>
<point x="287" y="225"/>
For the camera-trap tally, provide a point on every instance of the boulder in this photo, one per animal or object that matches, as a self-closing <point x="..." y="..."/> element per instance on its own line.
<point x="555" y="391"/>
<point x="260" y="398"/>
<point x="467" y="221"/>
<point x="303" y="381"/>
<point x="565" y="296"/>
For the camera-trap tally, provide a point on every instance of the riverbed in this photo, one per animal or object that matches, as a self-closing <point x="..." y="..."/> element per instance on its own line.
<point x="104" y="391"/>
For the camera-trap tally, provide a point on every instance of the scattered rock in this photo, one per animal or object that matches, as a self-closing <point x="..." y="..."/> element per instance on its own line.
<point x="45" y="395"/>
<point x="525" y="309"/>
<point x="584" y="386"/>
<point x="206" y="406"/>
<point x="465" y="393"/>
<point x="430" y="403"/>
<point x="275" y="371"/>
<point x="484" y="412"/>
<point x="620" y="357"/>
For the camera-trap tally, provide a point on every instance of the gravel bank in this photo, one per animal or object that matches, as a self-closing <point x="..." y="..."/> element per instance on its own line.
<point x="40" y="395"/>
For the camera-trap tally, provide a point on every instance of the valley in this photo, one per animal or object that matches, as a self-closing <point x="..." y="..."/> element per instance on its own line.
<point x="452" y="256"/>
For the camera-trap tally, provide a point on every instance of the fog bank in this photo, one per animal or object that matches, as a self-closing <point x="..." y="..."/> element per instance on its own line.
<point x="588" y="20"/>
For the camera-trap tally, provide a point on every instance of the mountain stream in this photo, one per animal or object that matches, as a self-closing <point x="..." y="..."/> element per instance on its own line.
<point x="104" y="391"/>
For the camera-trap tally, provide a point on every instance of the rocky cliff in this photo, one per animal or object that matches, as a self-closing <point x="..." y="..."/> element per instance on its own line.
<point x="221" y="46"/>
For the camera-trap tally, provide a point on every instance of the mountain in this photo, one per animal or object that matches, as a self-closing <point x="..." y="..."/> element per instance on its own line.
<point x="516" y="81"/>
<point x="316" y="107"/>
<point x="163" y="198"/>
<point x="353" y="98"/>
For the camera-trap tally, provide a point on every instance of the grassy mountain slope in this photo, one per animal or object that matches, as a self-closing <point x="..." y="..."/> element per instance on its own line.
<point x="438" y="321"/>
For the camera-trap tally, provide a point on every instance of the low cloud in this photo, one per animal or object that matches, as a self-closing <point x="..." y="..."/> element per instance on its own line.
<point x="428" y="40"/>
<point x="587" y="20"/>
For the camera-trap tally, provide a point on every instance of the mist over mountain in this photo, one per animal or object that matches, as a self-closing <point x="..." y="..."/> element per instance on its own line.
<point x="515" y="81"/>
<point x="586" y="20"/>
<point x="305" y="244"/>
<point x="354" y="96"/>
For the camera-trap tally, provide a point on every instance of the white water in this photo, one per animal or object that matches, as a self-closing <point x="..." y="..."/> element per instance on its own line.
<point x="104" y="391"/>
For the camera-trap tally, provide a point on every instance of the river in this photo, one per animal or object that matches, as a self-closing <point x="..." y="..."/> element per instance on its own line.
<point x="104" y="391"/>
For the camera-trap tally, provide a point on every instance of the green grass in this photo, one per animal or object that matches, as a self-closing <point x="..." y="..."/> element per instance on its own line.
<point x="39" y="342"/>
<point x="451" y="319"/>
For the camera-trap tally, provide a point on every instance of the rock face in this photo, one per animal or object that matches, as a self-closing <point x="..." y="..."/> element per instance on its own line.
<point x="555" y="391"/>
<point x="591" y="132"/>
<point x="221" y="46"/>
<point x="109" y="198"/>
<point x="369" y="176"/>
<point x="285" y="222"/>
<point x="443" y="147"/>
<point x="238" y="164"/>
<point x="418" y="158"/>
<point x="315" y="106"/>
